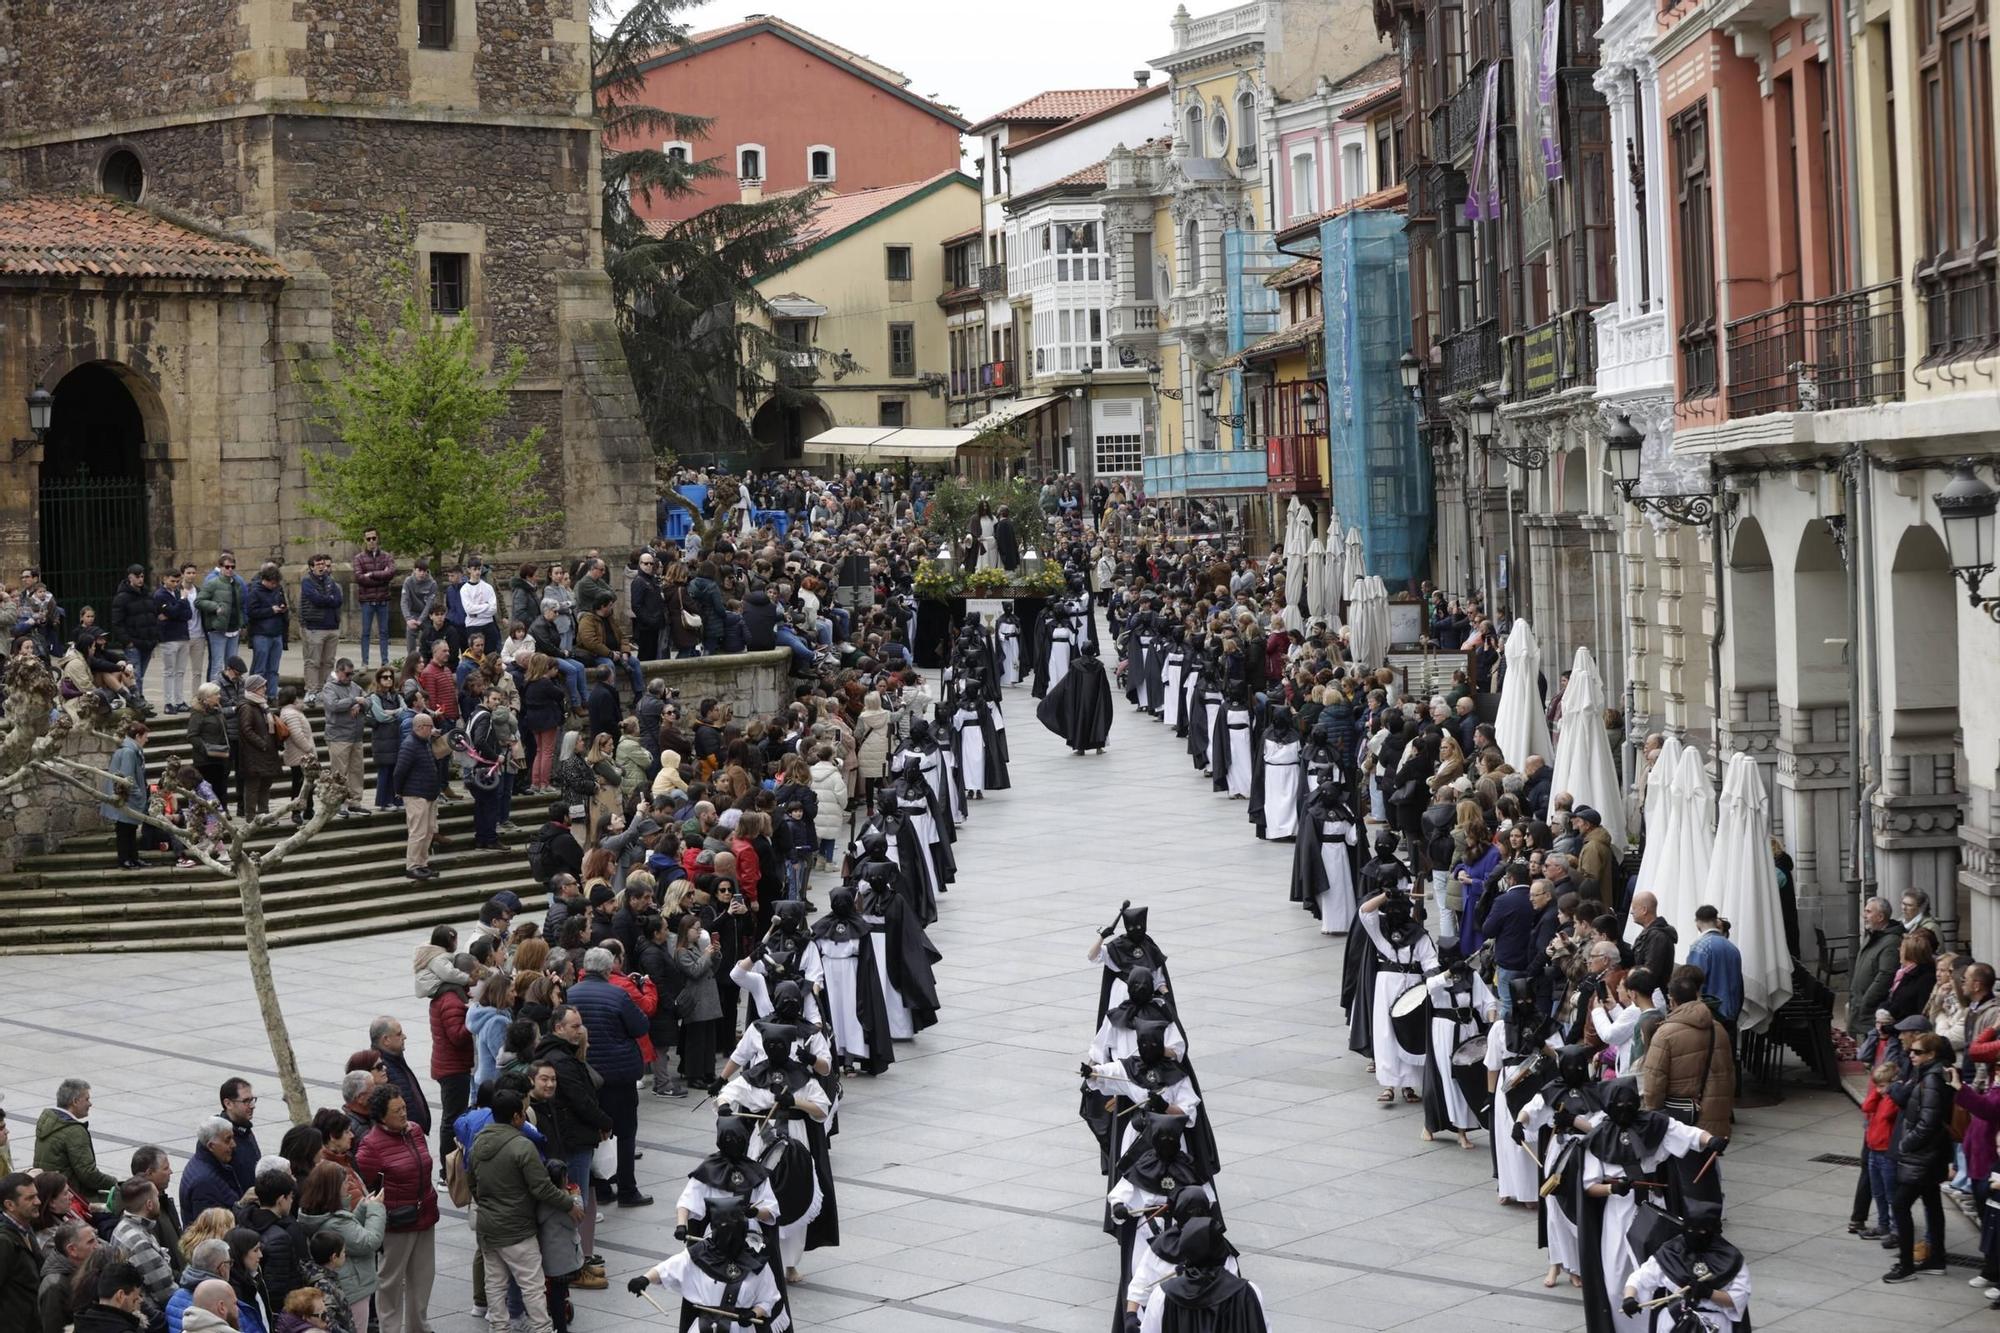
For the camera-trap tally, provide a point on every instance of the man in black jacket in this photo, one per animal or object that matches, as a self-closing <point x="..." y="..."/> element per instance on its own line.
<point x="760" y="621"/>
<point x="649" y="608"/>
<point x="135" y="620"/>
<point x="1653" y="949"/>
<point x="270" y="1218"/>
<point x="385" y="1037"/>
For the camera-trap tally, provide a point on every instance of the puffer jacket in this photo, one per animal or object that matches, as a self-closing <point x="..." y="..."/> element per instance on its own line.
<point x="361" y="1231"/>
<point x="615" y="1026"/>
<point x="1687" y="1040"/>
<point x="404" y="1163"/>
<point x="1923" y="1131"/>
<point x="830" y="785"/>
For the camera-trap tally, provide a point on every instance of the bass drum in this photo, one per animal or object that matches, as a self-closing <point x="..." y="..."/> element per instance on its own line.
<point x="1468" y="1071"/>
<point x="790" y="1163"/>
<point x="1410" y="1018"/>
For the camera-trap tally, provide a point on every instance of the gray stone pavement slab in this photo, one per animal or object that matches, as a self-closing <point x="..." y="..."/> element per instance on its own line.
<point x="968" y="1191"/>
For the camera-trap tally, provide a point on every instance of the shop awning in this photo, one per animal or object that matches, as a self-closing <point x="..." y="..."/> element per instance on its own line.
<point x="865" y="442"/>
<point x="1007" y="412"/>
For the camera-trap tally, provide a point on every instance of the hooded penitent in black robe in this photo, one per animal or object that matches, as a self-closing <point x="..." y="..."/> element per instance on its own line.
<point x="1205" y="1297"/>
<point x="1357" y="975"/>
<point x="909" y="952"/>
<point x="1127" y="950"/>
<point x="993" y="768"/>
<point x="1156" y="1164"/>
<point x="1699" y="1254"/>
<point x="1079" y="708"/>
<point x="912" y="855"/>
<point x="1009" y="544"/>
<point x="840" y="925"/>
<point x="1274" y="724"/>
<point x="1309" y="879"/>
<point x="732" y="1266"/>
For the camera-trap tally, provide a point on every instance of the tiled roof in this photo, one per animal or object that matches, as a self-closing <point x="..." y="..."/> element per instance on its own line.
<point x="1286" y="339"/>
<point x="837" y="212"/>
<point x="1382" y="69"/>
<point x="965" y="235"/>
<point x="767" y="20"/>
<point x="1065" y="103"/>
<point x="1090" y="175"/>
<point x="1306" y="270"/>
<point x="97" y="236"/>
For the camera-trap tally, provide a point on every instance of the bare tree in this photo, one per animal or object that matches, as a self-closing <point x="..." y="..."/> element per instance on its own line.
<point x="38" y="728"/>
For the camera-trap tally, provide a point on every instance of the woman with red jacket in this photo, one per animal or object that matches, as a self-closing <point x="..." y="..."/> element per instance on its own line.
<point x="394" y="1158"/>
<point x="453" y="1054"/>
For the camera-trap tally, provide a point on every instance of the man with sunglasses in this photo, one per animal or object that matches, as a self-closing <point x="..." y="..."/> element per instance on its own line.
<point x="222" y="606"/>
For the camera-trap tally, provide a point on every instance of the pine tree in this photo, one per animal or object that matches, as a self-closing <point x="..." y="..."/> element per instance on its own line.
<point x="687" y="296"/>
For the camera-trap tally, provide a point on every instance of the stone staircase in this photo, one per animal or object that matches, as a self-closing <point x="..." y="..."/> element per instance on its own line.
<point x="347" y="882"/>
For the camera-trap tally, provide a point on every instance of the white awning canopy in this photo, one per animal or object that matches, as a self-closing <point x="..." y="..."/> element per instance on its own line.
<point x="1007" y="412"/>
<point x="796" y="307"/>
<point x="866" y="442"/>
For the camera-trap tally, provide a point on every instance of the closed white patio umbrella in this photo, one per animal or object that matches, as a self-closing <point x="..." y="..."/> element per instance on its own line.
<point x="1743" y="886"/>
<point x="1522" y="726"/>
<point x="1583" y="765"/>
<point x="1682" y="882"/>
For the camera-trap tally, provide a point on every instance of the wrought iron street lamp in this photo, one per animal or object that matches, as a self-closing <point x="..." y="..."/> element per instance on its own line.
<point x="41" y="411"/>
<point x="1484" y="414"/>
<point x="1309" y="410"/>
<point x="1206" y="397"/>
<point x="1159" y="387"/>
<point x="1625" y="444"/>
<point x="1967" y="505"/>
<point x="1412" y="372"/>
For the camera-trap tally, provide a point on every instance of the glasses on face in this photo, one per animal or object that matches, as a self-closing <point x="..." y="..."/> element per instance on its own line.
<point x="229" y="564"/>
<point x="243" y="1101"/>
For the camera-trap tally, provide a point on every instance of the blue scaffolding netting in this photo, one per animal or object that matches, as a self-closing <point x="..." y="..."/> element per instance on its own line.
<point x="1249" y="257"/>
<point x="1381" y="473"/>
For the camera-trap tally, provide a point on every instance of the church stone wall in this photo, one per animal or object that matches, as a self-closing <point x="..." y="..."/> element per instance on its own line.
<point x="172" y="57"/>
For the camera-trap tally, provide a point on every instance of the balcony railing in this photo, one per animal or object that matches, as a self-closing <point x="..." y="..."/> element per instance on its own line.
<point x="1804" y="356"/>
<point x="1134" y="318"/>
<point x="970" y="380"/>
<point x="1291" y="463"/>
<point x="1961" y="317"/>
<point x="1471" y="358"/>
<point x="1433" y="188"/>
<point x="1455" y="123"/>
<point x="1206" y="470"/>
<point x="993" y="280"/>
<point x="798" y="365"/>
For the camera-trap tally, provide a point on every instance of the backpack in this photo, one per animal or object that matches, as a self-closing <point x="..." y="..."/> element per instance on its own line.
<point x="538" y="857"/>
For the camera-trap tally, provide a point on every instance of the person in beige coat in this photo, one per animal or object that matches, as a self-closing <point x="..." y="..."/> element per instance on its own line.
<point x="871" y="739"/>
<point x="299" y="752"/>
<point x="1689" y="1071"/>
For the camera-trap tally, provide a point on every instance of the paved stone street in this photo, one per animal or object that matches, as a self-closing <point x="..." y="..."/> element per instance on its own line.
<point x="968" y="1192"/>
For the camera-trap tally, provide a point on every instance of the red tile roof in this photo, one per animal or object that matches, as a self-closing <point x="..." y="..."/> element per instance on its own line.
<point x="1063" y="104"/>
<point x="1382" y="69"/>
<point x="771" y="21"/>
<point x="97" y="236"/>
<point x="837" y="212"/>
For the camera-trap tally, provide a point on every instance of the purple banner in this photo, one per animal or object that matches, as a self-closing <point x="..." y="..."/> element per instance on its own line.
<point x="1482" y="193"/>
<point x="1545" y="93"/>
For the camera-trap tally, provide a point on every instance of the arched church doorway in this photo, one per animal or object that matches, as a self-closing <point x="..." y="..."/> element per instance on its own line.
<point x="94" y="521"/>
<point x="783" y="427"/>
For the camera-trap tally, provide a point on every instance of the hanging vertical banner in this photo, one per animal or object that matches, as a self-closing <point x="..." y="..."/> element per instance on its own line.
<point x="1545" y="93"/>
<point x="1482" y="194"/>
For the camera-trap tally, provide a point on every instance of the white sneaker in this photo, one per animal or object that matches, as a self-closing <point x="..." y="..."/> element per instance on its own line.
<point x="478" y="1312"/>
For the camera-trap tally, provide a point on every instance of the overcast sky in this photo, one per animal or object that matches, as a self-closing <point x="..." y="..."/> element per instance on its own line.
<point x="981" y="58"/>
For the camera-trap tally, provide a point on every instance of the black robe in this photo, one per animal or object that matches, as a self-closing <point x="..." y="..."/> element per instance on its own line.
<point x="1146" y="1169"/>
<point x="911" y="853"/>
<point x="909" y="958"/>
<point x="1079" y="708"/>
<point x="1009" y="544"/>
<point x="871" y="1007"/>
<point x="1196" y="722"/>
<point x="995" y="764"/>
<point x="1722" y="1262"/>
<point x="1309" y="868"/>
<point x="1357" y="975"/>
<point x="1213" y="1301"/>
<point x="731" y="1271"/>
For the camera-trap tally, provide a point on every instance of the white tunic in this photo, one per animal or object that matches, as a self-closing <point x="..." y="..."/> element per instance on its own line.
<point x="680" y="1276"/>
<point x="971" y="749"/>
<point x="697" y="1195"/>
<point x="843" y="998"/>
<point x="1615" y="1251"/>
<point x="902" y="1026"/>
<point x="1010" y="654"/>
<point x="1142" y="679"/>
<point x="1113" y="1043"/>
<point x="1171" y="680"/>
<point x="1535" y="1117"/>
<point x="737" y="1093"/>
<point x="1648" y="1278"/>
<point x="1336" y="904"/>
<point x="1519" y="1180"/>
<point x="1394" y="1066"/>
<point x="1149" y="1270"/>
<point x="1281" y="787"/>
<point x="1059" y="641"/>
<point x="1447" y="1033"/>
<point x="1237" y="724"/>
<point x="750" y="978"/>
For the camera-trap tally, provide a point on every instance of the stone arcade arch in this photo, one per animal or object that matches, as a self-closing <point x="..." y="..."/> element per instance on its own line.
<point x="1815" y="787"/>
<point x="1915" y="812"/>
<point x="100" y="496"/>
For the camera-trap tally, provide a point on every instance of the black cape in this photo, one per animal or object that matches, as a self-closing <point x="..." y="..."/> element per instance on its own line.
<point x="1009" y="544"/>
<point x="1213" y="1301"/>
<point x="994" y="772"/>
<point x="1079" y="708"/>
<point x="909" y="958"/>
<point x="1357" y="976"/>
<point x="1309" y="879"/>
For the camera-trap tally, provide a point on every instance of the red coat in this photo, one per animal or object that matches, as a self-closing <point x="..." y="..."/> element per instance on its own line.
<point x="1275" y="645"/>
<point x="747" y="870"/>
<point x="403" y="1161"/>
<point x="646" y="998"/>
<point x="452" y="1049"/>
<point x="1881" y="1112"/>
<point x="440" y="687"/>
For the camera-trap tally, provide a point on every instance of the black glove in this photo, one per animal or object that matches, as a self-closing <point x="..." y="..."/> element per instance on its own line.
<point x="1630" y="1306"/>
<point x="1520" y="1133"/>
<point x="1131" y="1321"/>
<point x="681" y="1231"/>
<point x="785" y="1098"/>
<point x="1620" y="1186"/>
<point x="1120" y="1213"/>
<point x="1717" y="1144"/>
<point x="1698" y="1292"/>
<point x="1087" y="1069"/>
<point x="637" y="1286"/>
<point x="1107" y="932"/>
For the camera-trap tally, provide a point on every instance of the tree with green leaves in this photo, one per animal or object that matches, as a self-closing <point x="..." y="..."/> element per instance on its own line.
<point x="696" y="329"/>
<point x="420" y="456"/>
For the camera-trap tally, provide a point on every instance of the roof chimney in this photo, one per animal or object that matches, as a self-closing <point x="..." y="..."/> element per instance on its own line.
<point x="1142" y="77"/>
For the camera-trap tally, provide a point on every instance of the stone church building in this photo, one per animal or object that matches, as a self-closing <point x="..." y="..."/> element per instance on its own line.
<point x="199" y="197"/>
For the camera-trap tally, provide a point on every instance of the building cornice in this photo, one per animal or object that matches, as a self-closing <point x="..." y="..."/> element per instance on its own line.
<point x="296" y="110"/>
